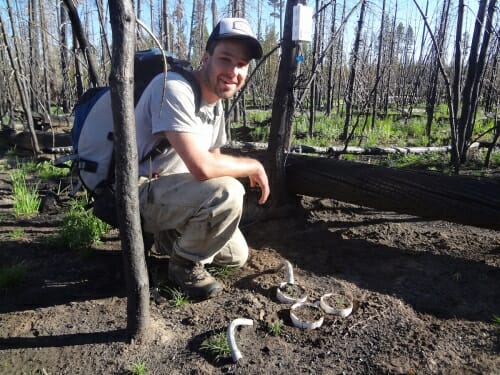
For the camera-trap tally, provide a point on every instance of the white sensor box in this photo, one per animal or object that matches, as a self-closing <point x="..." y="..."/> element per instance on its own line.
<point x="302" y="23"/>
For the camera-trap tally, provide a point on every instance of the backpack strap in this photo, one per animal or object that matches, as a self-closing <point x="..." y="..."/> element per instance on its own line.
<point x="195" y="86"/>
<point x="157" y="150"/>
<point x="188" y="75"/>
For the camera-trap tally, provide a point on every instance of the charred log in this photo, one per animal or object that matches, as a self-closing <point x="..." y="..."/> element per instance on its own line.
<point x="460" y="199"/>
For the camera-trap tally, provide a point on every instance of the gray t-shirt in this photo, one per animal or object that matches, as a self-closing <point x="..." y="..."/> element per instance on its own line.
<point x="176" y="112"/>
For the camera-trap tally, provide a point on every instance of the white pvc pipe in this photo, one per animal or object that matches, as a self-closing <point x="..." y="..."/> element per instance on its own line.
<point x="288" y="272"/>
<point x="235" y="353"/>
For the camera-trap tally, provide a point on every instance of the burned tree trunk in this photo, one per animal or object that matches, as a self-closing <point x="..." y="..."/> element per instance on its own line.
<point x="283" y="107"/>
<point x="122" y="99"/>
<point x="460" y="199"/>
<point x="21" y="85"/>
<point x="350" y="88"/>
<point x="83" y="42"/>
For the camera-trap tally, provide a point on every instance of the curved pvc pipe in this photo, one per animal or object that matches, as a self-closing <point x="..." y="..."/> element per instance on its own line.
<point x="288" y="272"/>
<point x="235" y="352"/>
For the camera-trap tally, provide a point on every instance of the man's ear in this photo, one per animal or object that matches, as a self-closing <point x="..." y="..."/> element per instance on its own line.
<point x="204" y="58"/>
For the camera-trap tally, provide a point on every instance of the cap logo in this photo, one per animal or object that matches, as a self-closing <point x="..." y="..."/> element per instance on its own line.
<point x="242" y="27"/>
<point x="237" y="26"/>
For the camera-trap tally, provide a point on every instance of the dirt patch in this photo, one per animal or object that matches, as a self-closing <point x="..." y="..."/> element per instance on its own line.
<point x="425" y="293"/>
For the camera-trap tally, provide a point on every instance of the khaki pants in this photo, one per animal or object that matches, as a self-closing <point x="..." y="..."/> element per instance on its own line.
<point x="204" y="214"/>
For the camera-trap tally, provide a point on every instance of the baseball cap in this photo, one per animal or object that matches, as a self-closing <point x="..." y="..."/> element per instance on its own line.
<point x="236" y="28"/>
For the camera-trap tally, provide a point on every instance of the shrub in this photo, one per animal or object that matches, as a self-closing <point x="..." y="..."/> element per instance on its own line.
<point x="80" y="229"/>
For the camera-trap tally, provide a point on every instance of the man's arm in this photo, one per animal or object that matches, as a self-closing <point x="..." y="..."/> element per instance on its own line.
<point x="203" y="164"/>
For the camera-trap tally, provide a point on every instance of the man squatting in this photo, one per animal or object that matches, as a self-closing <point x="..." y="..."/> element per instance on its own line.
<point x="190" y="198"/>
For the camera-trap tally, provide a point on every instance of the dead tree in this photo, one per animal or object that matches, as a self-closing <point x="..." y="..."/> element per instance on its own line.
<point x="314" y="86"/>
<point x="352" y="75"/>
<point x="431" y="95"/>
<point x="122" y="99"/>
<point x="165" y="34"/>
<point x="282" y="114"/>
<point x="106" y="53"/>
<point x="379" y="62"/>
<point x="45" y="59"/>
<point x="329" y="91"/>
<point x="63" y="37"/>
<point x="475" y="69"/>
<point x="21" y="85"/>
<point x="83" y="43"/>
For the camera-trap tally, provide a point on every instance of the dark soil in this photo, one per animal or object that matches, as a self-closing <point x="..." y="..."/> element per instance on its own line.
<point x="425" y="295"/>
<point x="338" y="300"/>
<point x="293" y="291"/>
<point x="307" y="312"/>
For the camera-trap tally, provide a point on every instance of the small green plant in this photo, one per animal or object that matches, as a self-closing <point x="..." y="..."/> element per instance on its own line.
<point x="139" y="368"/>
<point x="222" y="271"/>
<point x="16" y="233"/>
<point x="496" y="320"/>
<point x="340" y="302"/>
<point x="26" y="198"/>
<point x="275" y="328"/>
<point x="27" y="166"/>
<point x="176" y="297"/>
<point x="11" y="276"/>
<point x="217" y="345"/>
<point x="495" y="159"/>
<point x="80" y="229"/>
<point x="47" y="170"/>
<point x="11" y="152"/>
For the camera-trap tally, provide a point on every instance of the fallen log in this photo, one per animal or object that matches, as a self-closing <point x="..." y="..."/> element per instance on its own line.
<point x="46" y="140"/>
<point x="460" y="199"/>
<point x="355" y="150"/>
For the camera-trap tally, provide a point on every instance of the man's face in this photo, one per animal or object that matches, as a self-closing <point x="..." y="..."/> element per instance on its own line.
<point x="225" y="70"/>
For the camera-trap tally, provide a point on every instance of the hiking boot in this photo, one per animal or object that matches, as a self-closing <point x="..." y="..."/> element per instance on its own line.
<point x="192" y="278"/>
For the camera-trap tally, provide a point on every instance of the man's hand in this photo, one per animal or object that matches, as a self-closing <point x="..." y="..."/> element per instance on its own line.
<point x="260" y="180"/>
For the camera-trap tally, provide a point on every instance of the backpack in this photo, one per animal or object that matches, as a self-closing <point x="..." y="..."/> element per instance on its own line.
<point x="92" y="132"/>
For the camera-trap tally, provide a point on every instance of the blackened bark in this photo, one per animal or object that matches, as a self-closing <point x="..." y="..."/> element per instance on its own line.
<point x="379" y="62"/>
<point x="282" y="114"/>
<point x="460" y="199"/>
<point x="122" y="99"/>
<point x="477" y="58"/>
<point x="354" y="60"/>
<point x="83" y="42"/>
<point x="431" y="95"/>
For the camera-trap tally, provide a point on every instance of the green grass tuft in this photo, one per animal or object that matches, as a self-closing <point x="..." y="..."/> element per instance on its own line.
<point x="217" y="345"/>
<point x="17" y="233"/>
<point x="176" y="297"/>
<point x="222" y="271"/>
<point x="12" y="276"/>
<point x="275" y="328"/>
<point x="26" y="198"/>
<point x="46" y="170"/>
<point x="139" y="368"/>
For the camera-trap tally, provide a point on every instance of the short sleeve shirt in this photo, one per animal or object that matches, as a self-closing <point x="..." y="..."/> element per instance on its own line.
<point x="170" y="106"/>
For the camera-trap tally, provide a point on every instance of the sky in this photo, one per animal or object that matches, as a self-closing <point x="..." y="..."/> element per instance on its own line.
<point x="407" y="13"/>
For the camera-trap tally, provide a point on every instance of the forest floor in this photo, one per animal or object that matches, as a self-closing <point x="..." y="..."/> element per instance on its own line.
<point x="425" y="292"/>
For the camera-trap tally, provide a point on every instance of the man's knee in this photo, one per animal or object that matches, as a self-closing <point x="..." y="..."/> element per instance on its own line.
<point x="227" y="197"/>
<point x="234" y="253"/>
<point x="230" y="187"/>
